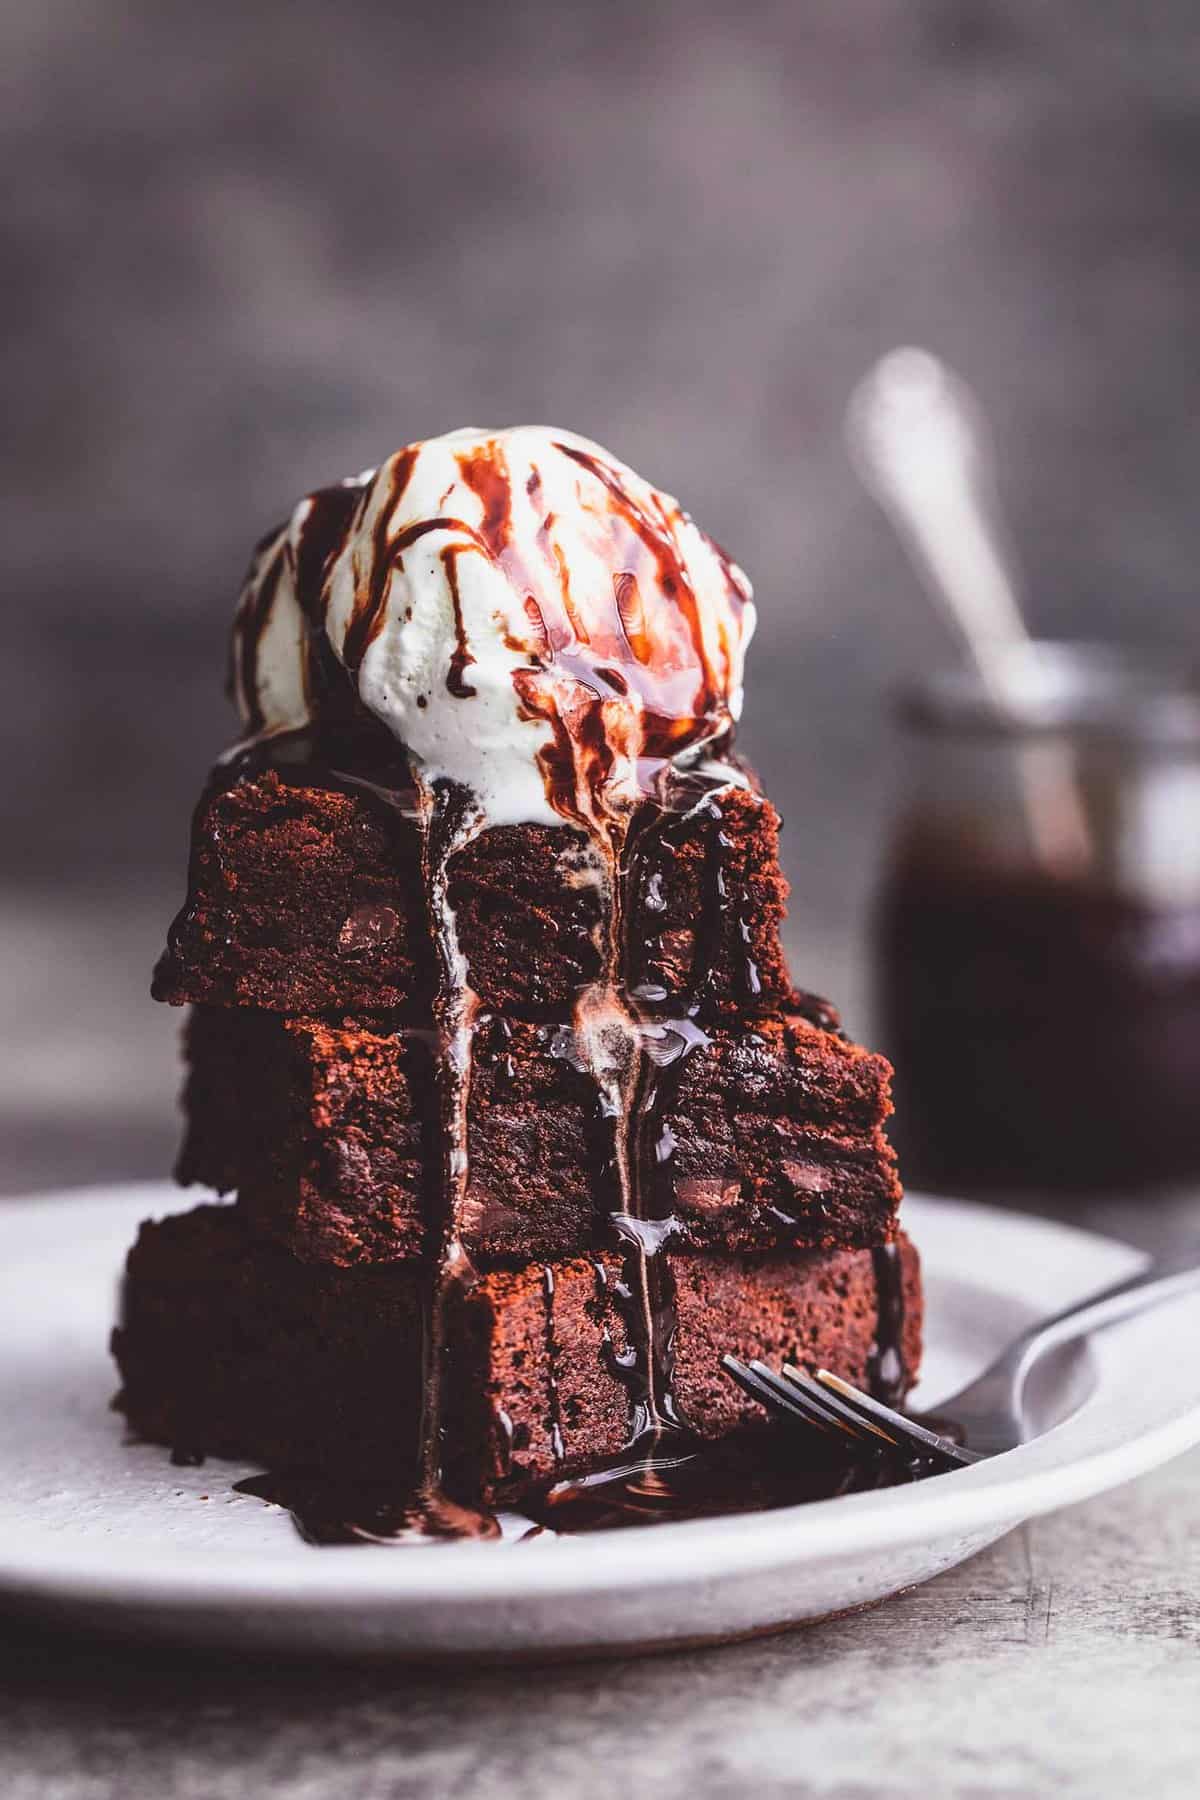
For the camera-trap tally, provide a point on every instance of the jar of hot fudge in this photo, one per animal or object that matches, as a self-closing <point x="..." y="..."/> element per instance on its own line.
<point x="1036" y="931"/>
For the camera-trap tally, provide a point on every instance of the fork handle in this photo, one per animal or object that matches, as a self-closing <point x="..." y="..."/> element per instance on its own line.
<point x="1160" y="1282"/>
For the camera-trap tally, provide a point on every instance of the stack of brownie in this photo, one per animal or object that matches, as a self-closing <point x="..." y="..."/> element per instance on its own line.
<point x="293" y="1327"/>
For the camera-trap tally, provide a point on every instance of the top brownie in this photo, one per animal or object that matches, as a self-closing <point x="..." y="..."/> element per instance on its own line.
<point x="305" y="896"/>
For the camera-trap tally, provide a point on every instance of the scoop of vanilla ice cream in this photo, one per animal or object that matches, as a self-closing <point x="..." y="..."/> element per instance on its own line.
<point x="524" y="612"/>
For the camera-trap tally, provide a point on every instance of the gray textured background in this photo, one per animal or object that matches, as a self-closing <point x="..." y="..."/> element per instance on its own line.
<point x="249" y="248"/>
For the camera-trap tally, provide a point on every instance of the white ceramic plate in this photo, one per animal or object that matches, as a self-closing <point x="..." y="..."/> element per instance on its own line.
<point x="103" y="1533"/>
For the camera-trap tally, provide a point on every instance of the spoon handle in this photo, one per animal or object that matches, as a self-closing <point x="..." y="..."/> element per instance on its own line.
<point x="919" y="442"/>
<point x="920" y="446"/>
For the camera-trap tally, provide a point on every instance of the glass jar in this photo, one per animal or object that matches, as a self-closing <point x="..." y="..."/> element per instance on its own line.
<point x="1036" y="932"/>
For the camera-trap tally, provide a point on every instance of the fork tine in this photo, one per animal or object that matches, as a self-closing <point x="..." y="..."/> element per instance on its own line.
<point x="762" y="1391"/>
<point x="756" y="1381"/>
<point x="889" y="1432"/>
<point x="819" y="1408"/>
<point x="907" y="1430"/>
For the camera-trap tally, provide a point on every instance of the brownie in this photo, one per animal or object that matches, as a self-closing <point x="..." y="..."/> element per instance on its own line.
<point x="301" y="899"/>
<point x="765" y="1135"/>
<point x="328" y="1131"/>
<point x="229" y="1345"/>
<point x="537" y="1388"/>
<point x="307" y="899"/>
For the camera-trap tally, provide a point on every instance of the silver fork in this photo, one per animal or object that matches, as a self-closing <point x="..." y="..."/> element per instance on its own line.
<point x="989" y="1411"/>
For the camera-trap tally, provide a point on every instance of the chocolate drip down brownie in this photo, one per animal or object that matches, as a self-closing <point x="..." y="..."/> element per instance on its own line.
<point x="492" y="1039"/>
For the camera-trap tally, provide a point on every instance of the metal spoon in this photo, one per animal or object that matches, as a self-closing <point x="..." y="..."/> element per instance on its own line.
<point x="917" y="438"/>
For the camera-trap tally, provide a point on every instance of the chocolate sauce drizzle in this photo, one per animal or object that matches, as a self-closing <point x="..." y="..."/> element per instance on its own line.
<point x="885" y="1368"/>
<point x="689" y="803"/>
<point x="302" y="551"/>
<point x="371" y="595"/>
<point x="449" y="819"/>
<point x="555" y="1418"/>
<point x="461" y="654"/>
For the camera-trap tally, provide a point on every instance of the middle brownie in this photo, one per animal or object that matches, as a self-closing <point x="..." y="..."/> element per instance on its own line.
<point x="759" y="1137"/>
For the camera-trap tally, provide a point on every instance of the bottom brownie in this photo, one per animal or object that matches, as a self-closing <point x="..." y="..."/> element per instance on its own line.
<point x="231" y="1346"/>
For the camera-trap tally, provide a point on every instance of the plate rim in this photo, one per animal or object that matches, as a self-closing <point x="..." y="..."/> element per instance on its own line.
<point x="36" y="1561"/>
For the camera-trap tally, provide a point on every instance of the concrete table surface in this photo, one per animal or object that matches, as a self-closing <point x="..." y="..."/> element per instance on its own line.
<point x="1065" y="1660"/>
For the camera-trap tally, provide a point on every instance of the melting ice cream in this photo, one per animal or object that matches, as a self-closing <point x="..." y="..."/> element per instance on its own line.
<point x="527" y="615"/>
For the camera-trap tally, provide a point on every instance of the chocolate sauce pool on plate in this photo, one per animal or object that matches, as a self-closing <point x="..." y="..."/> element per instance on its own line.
<point x="329" y="1510"/>
<point x="758" y="1469"/>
